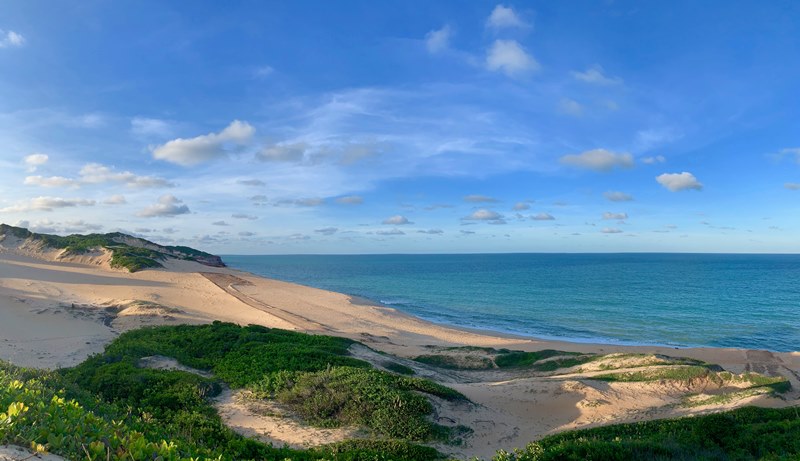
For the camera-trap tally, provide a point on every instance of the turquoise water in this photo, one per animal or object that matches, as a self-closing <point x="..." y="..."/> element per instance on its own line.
<point x="746" y="301"/>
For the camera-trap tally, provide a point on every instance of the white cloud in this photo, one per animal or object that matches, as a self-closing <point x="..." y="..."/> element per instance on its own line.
<point x="219" y="223"/>
<point x="397" y="220"/>
<point x="52" y="181"/>
<point x="327" y="230"/>
<point x="300" y="202"/>
<point x="10" y="39"/>
<point x="438" y="40"/>
<point x="188" y="152"/>
<point x="350" y="200"/>
<point x="617" y="216"/>
<point x="246" y="234"/>
<point x="543" y="217"/>
<point x="519" y="206"/>
<point x="34" y="161"/>
<point x="483" y="214"/>
<point x="795" y="151"/>
<point x="598" y="160"/>
<point x="505" y="17"/>
<point x="611" y="230"/>
<point x="47" y="204"/>
<point x="263" y="72"/>
<point x="150" y="127"/>
<point x="95" y="173"/>
<point x="509" y="57"/>
<point x="294" y="152"/>
<point x="476" y="198"/>
<point x="679" y="181"/>
<point x="431" y="231"/>
<point x="616" y="196"/>
<point x="168" y="205"/>
<point x="654" y="160"/>
<point x="792" y="186"/>
<point x="115" y="200"/>
<point x="594" y="75"/>
<point x="570" y="107"/>
<point x="243" y="216"/>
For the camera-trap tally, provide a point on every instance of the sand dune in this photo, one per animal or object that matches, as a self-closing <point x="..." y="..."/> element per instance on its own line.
<point x="55" y="313"/>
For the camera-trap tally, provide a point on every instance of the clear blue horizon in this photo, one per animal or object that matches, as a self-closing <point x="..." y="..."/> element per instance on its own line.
<point x="365" y="127"/>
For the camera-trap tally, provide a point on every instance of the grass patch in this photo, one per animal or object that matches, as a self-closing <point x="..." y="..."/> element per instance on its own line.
<point x="678" y="373"/>
<point x="456" y="362"/>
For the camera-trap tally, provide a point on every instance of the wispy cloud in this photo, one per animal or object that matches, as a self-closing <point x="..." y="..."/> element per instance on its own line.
<point x="679" y="181"/>
<point x="251" y="182"/>
<point x="438" y="40"/>
<point x="397" y="220"/>
<point x="617" y="216"/>
<point x="596" y="76"/>
<point x="47" y="204"/>
<point x="654" y="160"/>
<point x="11" y="39"/>
<point x="792" y="186"/>
<point x="611" y="230"/>
<point x="509" y="57"/>
<point x="350" y="200"/>
<point x="504" y="17"/>
<point x="52" y="181"/>
<point x="290" y="152"/>
<point x="543" y="217"/>
<point x="477" y="198"/>
<point x="569" y="106"/>
<point x="327" y="230"/>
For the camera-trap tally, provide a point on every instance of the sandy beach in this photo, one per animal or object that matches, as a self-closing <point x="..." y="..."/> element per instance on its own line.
<point x="55" y="313"/>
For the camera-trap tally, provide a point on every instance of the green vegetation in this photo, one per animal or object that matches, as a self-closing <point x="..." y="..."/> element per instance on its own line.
<point x="124" y="256"/>
<point x="678" y="373"/>
<point x="544" y="360"/>
<point x="743" y="434"/>
<point x="398" y="368"/>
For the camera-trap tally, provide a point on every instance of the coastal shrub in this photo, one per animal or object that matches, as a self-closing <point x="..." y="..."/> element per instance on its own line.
<point x="339" y="396"/>
<point x="514" y="359"/>
<point x="456" y="362"/>
<point x="744" y="434"/>
<point x="394" y="450"/>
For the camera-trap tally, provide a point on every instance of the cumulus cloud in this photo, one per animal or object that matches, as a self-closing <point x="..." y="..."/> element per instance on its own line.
<point x="251" y="182"/>
<point x="292" y="152"/>
<point x="792" y="186"/>
<point x="438" y="40"/>
<point x="611" y="230"/>
<point x="485" y="215"/>
<point x="52" y="181"/>
<point x="679" y="181"/>
<point x="505" y="17"/>
<point x="95" y="173"/>
<point x="509" y="57"/>
<point x="34" y="161"/>
<point x="476" y="198"/>
<point x="327" y="230"/>
<point x="654" y="160"/>
<point x="617" y="216"/>
<point x="192" y="151"/>
<point x="397" y="220"/>
<point x="569" y="106"/>
<point x="543" y="217"/>
<point x="219" y="223"/>
<point x="115" y="200"/>
<point x="595" y="75"/>
<point x="10" y="39"/>
<point x="520" y="206"/>
<point x="598" y="160"/>
<point x="243" y="216"/>
<point x="350" y="200"/>
<point x="616" y="196"/>
<point x="431" y="231"/>
<point x="47" y="204"/>
<point x="167" y="206"/>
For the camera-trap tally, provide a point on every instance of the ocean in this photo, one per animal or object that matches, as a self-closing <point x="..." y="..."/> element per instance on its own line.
<point x="680" y="300"/>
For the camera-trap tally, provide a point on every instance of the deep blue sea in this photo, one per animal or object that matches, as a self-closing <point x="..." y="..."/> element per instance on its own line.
<point x="745" y="301"/>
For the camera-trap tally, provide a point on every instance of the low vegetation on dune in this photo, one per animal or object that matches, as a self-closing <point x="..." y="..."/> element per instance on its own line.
<point x="111" y="408"/>
<point x="127" y="252"/>
<point x="487" y="358"/>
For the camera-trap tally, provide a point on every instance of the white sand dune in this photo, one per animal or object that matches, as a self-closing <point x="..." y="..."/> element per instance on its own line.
<point x="55" y="313"/>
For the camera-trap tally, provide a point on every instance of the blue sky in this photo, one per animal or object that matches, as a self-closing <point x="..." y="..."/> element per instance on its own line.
<point x="405" y="126"/>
